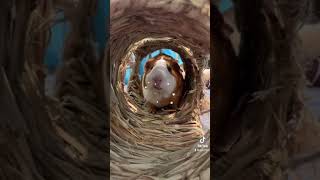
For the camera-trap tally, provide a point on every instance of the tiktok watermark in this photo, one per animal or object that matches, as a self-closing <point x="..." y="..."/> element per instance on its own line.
<point x="202" y="146"/>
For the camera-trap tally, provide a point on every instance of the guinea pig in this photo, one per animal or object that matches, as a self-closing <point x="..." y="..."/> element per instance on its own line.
<point x="162" y="83"/>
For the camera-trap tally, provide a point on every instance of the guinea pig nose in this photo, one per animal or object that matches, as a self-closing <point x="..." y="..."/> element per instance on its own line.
<point x="157" y="81"/>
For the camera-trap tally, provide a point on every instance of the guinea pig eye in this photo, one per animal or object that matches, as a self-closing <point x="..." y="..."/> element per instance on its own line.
<point x="148" y="66"/>
<point x="169" y="68"/>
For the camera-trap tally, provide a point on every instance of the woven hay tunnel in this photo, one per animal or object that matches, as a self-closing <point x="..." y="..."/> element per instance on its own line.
<point x="259" y="110"/>
<point x="59" y="137"/>
<point x="161" y="146"/>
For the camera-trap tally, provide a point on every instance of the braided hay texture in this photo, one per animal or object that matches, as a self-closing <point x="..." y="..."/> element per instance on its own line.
<point x="142" y="145"/>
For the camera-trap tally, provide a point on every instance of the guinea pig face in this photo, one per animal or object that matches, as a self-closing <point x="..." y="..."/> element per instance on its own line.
<point x="160" y="78"/>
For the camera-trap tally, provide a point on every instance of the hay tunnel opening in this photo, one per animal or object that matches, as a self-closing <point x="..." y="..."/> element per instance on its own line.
<point x="158" y="144"/>
<point x="131" y="72"/>
<point x="129" y="65"/>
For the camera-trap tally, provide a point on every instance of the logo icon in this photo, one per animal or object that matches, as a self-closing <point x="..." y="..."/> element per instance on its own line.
<point x="201" y="146"/>
<point x="202" y="140"/>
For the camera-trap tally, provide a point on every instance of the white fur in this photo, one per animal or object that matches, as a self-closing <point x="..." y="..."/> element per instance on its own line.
<point x="153" y="95"/>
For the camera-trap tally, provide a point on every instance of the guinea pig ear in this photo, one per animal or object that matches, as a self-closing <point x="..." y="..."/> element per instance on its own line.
<point x="176" y="67"/>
